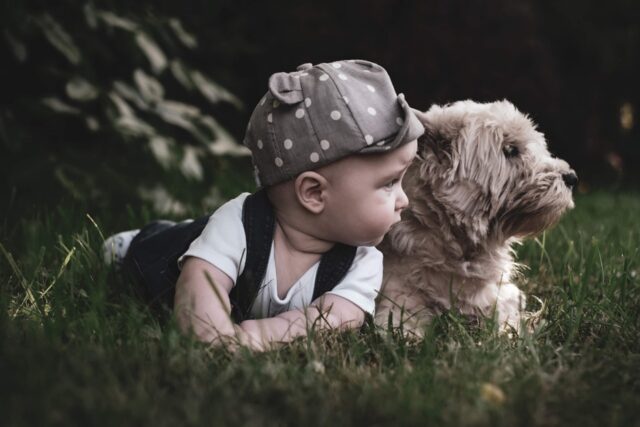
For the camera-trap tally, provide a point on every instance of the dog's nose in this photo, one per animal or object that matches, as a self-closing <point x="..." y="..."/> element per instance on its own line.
<point x="570" y="179"/>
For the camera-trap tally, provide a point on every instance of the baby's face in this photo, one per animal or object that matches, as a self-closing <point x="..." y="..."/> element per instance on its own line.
<point x="365" y="197"/>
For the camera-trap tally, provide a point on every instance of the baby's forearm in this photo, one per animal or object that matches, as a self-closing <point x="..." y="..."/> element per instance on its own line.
<point x="209" y="322"/>
<point x="202" y="302"/>
<point x="280" y="329"/>
<point x="287" y="326"/>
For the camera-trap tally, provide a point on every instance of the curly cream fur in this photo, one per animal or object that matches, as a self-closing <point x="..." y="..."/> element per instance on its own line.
<point x="483" y="181"/>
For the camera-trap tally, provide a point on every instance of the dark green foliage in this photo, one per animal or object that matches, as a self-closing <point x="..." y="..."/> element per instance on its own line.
<point x="571" y="65"/>
<point x="85" y="351"/>
<point x="98" y="104"/>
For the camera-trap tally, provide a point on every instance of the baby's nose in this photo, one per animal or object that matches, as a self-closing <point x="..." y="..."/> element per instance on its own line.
<point x="402" y="201"/>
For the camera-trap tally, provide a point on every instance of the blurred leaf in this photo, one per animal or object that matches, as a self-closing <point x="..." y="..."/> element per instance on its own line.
<point x="154" y="54"/>
<point x="189" y="40"/>
<point x="113" y="20"/>
<point x="224" y="143"/>
<point x="130" y="94"/>
<point x="181" y="74"/>
<point x="150" y="88"/>
<point x="92" y="123"/>
<point x="161" y="149"/>
<point x="59" y="106"/>
<point x="18" y="48"/>
<point x="190" y="165"/>
<point x="124" y="109"/>
<point x="90" y="15"/>
<point x="59" y="38"/>
<point x="213" y="91"/>
<point x="181" y="115"/>
<point x="134" y="127"/>
<point x="163" y="202"/>
<point x="81" y="90"/>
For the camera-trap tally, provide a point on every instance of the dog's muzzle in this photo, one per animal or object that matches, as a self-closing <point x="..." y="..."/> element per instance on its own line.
<point x="570" y="179"/>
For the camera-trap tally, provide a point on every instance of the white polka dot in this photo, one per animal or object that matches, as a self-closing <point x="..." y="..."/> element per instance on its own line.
<point x="371" y="111"/>
<point x="336" y="65"/>
<point x="270" y="118"/>
<point x="371" y="88"/>
<point x="323" y="77"/>
<point x="276" y="103"/>
<point x="263" y="100"/>
<point x="278" y="162"/>
<point x="381" y="143"/>
<point x="346" y="100"/>
<point x="260" y="144"/>
<point x="324" y="144"/>
<point x="399" y="121"/>
<point x="369" y="139"/>
<point x="307" y="102"/>
<point x="288" y="144"/>
<point x="314" y="157"/>
<point x="342" y="76"/>
<point x="299" y="113"/>
<point x="335" y="115"/>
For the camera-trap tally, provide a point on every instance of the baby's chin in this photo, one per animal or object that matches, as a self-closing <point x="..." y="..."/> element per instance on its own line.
<point x="374" y="242"/>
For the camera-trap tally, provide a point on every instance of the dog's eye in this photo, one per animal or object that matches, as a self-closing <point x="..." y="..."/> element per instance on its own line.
<point x="510" y="150"/>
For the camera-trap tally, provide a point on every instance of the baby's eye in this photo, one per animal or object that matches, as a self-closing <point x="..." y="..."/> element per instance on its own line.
<point x="389" y="185"/>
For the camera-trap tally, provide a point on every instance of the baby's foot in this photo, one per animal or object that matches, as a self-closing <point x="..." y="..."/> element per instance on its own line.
<point x="115" y="247"/>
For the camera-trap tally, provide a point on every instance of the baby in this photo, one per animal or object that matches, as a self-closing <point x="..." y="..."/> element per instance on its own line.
<point x="330" y="144"/>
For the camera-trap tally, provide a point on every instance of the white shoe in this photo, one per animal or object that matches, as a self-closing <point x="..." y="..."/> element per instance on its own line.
<point x="115" y="247"/>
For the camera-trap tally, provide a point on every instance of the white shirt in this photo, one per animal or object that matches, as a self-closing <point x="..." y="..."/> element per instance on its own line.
<point x="223" y="244"/>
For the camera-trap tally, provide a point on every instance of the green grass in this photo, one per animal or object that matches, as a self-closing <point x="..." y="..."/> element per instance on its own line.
<point x="76" y="348"/>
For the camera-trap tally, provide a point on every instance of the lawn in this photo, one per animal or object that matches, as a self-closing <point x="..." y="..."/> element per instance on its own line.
<point x="76" y="348"/>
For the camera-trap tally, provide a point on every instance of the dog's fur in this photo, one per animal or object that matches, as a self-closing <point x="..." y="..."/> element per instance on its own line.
<point x="483" y="180"/>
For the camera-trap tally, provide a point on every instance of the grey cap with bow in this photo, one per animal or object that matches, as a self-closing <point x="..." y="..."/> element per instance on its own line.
<point x="322" y="113"/>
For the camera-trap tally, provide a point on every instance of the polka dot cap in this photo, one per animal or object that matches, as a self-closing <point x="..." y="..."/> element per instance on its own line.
<point x="321" y="113"/>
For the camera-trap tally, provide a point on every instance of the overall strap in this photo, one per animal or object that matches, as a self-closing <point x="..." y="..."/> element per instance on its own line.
<point x="258" y="220"/>
<point x="334" y="265"/>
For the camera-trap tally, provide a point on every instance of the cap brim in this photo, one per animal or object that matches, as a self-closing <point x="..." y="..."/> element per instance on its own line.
<point x="410" y="130"/>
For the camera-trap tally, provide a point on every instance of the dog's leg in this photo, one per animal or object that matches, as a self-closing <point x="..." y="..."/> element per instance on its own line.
<point x="399" y="307"/>
<point x="510" y="305"/>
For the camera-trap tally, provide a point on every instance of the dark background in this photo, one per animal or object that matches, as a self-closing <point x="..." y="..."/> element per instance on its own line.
<point x="573" y="66"/>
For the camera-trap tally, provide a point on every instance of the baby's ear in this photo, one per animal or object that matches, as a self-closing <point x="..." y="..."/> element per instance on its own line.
<point x="310" y="187"/>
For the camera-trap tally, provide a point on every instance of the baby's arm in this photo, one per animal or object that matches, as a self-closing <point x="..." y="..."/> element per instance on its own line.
<point x="201" y="306"/>
<point x="327" y="312"/>
<point x="205" y="309"/>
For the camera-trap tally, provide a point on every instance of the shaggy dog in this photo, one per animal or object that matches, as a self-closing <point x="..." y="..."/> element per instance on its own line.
<point x="483" y="180"/>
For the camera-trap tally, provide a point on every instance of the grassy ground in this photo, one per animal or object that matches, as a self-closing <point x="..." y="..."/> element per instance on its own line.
<point x="77" y="349"/>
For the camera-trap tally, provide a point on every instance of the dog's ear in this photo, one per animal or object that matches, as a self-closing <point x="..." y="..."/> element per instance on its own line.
<point x="434" y="142"/>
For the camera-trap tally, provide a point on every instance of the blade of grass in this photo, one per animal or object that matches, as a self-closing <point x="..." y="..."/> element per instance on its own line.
<point x="61" y="270"/>
<point x="21" y="279"/>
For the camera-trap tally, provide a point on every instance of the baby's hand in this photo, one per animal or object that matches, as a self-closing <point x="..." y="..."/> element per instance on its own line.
<point x="249" y="337"/>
